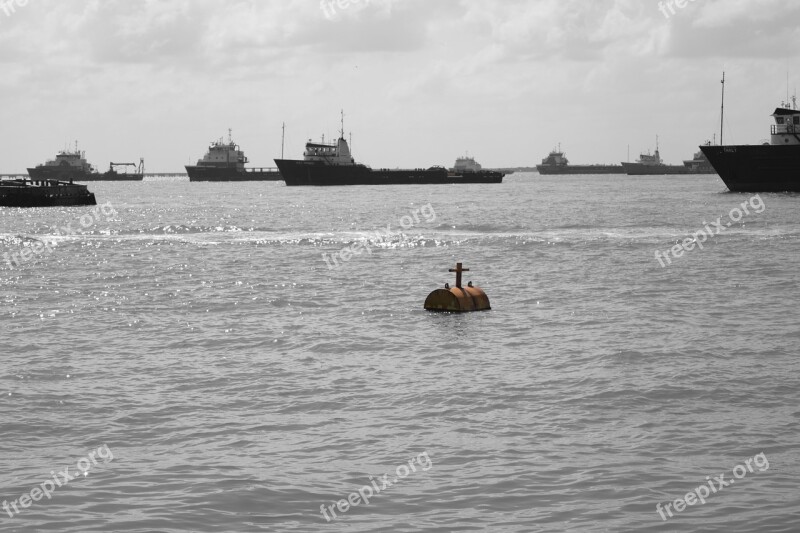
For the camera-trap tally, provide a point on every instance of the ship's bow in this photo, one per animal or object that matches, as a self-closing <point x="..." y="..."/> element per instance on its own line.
<point x="756" y="168"/>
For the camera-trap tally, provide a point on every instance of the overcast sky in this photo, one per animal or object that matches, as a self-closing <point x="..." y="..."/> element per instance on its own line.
<point x="421" y="81"/>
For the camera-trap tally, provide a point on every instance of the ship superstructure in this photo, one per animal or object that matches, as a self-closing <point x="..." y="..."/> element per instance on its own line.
<point x="67" y="165"/>
<point x="225" y="161"/>
<point x="652" y="165"/>
<point x="557" y="163"/>
<point x="71" y="165"/>
<point x="467" y="164"/>
<point x="326" y="164"/>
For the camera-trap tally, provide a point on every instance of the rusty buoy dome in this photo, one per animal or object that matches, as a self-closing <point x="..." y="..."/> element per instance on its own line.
<point x="458" y="299"/>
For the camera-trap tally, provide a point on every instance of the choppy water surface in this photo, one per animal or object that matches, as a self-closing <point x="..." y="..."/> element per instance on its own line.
<point x="198" y="336"/>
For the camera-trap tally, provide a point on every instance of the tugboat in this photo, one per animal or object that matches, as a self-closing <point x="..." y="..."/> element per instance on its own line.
<point x="557" y="163"/>
<point x="652" y="165"/>
<point x="226" y="162"/>
<point x="770" y="167"/>
<point x="113" y="175"/>
<point x="72" y="166"/>
<point x="46" y="193"/>
<point x="332" y="164"/>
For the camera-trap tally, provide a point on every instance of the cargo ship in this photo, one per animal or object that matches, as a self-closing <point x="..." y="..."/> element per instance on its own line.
<point x="225" y="161"/>
<point x="73" y="166"/>
<point x="769" y="167"/>
<point x="44" y="193"/>
<point x="332" y="164"/>
<point x="653" y="165"/>
<point x="557" y="163"/>
<point x="700" y="163"/>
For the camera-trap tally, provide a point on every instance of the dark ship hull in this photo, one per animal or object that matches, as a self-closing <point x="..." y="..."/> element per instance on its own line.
<point x="29" y="193"/>
<point x="757" y="168"/>
<point x="299" y="173"/>
<point x="113" y="176"/>
<point x="639" y="169"/>
<point x="548" y="170"/>
<point x="66" y="174"/>
<point x="688" y="167"/>
<point x="231" y="174"/>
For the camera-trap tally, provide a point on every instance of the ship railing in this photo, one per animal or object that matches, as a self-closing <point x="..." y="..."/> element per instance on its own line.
<point x="778" y="129"/>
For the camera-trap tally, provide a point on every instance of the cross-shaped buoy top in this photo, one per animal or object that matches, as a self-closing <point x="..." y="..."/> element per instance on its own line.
<point x="458" y="270"/>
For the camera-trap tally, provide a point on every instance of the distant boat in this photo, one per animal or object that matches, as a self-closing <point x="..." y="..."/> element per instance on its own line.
<point x="72" y="166"/>
<point x="332" y="164"/>
<point x="46" y="193"/>
<point x="699" y="164"/>
<point x="557" y="163"/>
<point x="653" y="165"/>
<point x="226" y="162"/>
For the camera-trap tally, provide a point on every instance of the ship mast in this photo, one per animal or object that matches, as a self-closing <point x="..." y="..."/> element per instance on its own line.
<point x="283" y="137"/>
<point x="722" y="110"/>
<point x="342" y="130"/>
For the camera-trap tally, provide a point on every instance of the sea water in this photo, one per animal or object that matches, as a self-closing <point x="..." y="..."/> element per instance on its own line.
<point x="190" y="359"/>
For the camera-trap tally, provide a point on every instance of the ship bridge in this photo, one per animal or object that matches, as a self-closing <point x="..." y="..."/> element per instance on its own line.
<point x="331" y="154"/>
<point x="786" y="130"/>
<point x="556" y="158"/>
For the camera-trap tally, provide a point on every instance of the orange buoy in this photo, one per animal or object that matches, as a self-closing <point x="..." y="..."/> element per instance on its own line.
<point x="458" y="299"/>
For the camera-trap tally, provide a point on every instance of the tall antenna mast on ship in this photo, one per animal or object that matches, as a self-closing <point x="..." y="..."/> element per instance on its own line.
<point x="722" y="110"/>
<point x="342" y="130"/>
<point x="283" y="137"/>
